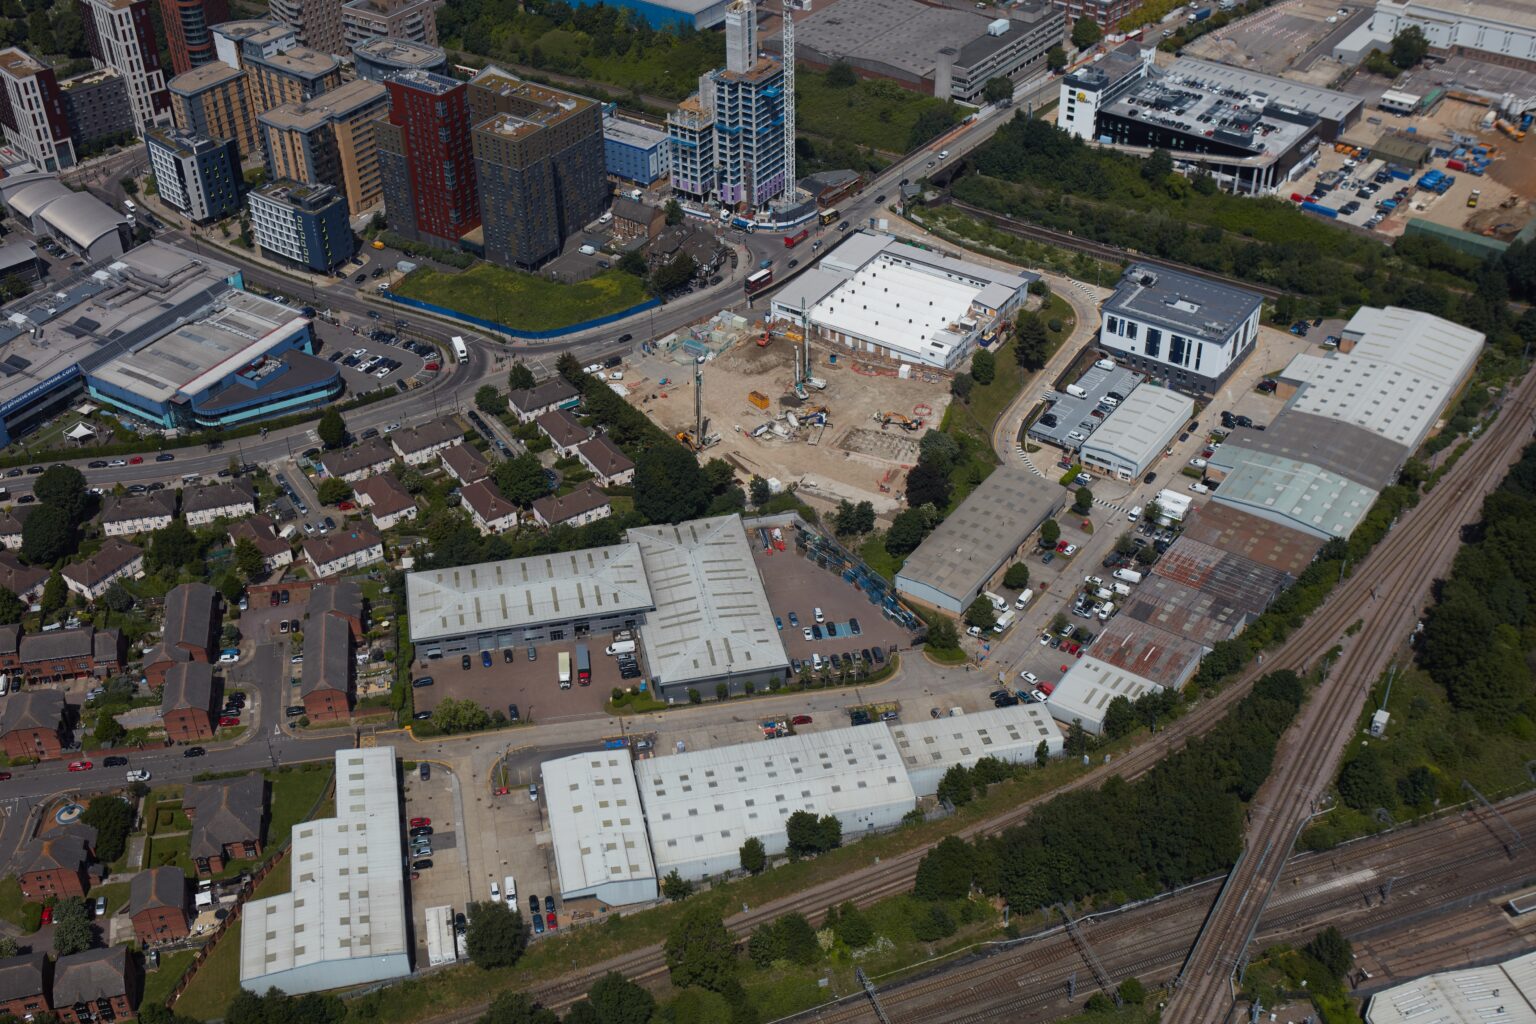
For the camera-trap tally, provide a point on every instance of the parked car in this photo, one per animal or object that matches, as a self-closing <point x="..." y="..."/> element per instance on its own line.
<point x="193" y="752"/>
<point x="420" y="822"/>
<point x="485" y="659"/>
<point x="113" y="762"/>
<point x="464" y="661"/>
<point x="800" y="720"/>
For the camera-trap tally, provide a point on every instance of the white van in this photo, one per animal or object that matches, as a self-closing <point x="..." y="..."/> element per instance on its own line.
<point x="588" y="250"/>
<point x="128" y="205"/>
<point x="510" y="885"/>
<point x="1122" y="590"/>
<point x="819" y="616"/>
<point x="620" y="647"/>
<point x="1199" y="488"/>
<point x="1134" y="514"/>
<point x="943" y="154"/>
<point x="1128" y="575"/>
<point x="1023" y="599"/>
<point x="816" y="662"/>
<point x="1105" y="364"/>
<point x="1076" y="392"/>
<point x="1109" y="402"/>
<point x="997" y="602"/>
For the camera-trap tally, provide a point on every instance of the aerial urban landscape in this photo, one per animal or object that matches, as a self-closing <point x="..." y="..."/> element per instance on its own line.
<point x="692" y="511"/>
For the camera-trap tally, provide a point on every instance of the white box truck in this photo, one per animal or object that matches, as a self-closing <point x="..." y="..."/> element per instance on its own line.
<point x="1128" y="575"/>
<point x="1005" y="620"/>
<point x="997" y="602"/>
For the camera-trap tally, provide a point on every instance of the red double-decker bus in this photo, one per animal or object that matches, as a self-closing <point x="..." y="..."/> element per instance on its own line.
<point x="759" y="280"/>
<point x="790" y="241"/>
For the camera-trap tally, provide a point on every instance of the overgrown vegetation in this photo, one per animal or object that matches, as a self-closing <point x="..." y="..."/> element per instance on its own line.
<point x="520" y="301"/>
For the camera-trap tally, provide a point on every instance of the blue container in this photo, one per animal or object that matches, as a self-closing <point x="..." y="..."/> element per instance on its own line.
<point x="1319" y="208"/>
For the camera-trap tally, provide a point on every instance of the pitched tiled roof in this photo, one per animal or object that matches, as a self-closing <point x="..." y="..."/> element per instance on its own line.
<point x="94" y="974"/>
<point x="340" y="543"/>
<point x="66" y="847"/>
<point x="18" y="578"/>
<point x="556" y="389"/>
<point x="31" y="709"/>
<point x="609" y="459"/>
<point x="261" y="532"/>
<point x="187" y="685"/>
<point x="563" y="428"/>
<point x="428" y="435"/>
<point x="370" y="453"/>
<point x="58" y="643"/>
<point x="555" y="510"/>
<point x="22" y="976"/>
<point x="107" y="644"/>
<point x="119" y="508"/>
<point x="12" y="518"/>
<point x="386" y="493"/>
<point x="10" y="638"/>
<point x="224" y="812"/>
<point x="191" y="609"/>
<point x="113" y="556"/>
<point x="344" y="597"/>
<point x="327" y="656"/>
<point x="486" y="500"/>
<point x="157" y="888"/>
<point x="206" y="499"/>
<point x="465" y="463"/>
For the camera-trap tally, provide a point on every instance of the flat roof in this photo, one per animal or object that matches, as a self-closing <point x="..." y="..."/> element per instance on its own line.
<point x="712" y="617"/>
<point x="596" y="821"/>
<point x="18" y="63"/>
<point x="1084" y="693"/>
<point x="987" y="528"/>
<point x="1239" y="586"/>
<point x="632" y="134"/>
<point x="527" y="591"/>
<point x="1503" y="992"/>
<point x="1009" y="734"/>
<point x="328" y="106"/>
<point x="1325" y="103"/>
<point x="1074" y="414"/>
<point x="1341" y="447"/>
<point x="1151" y="652"/>
<point x="1140" y="426"/>
<point x="905" y="35"/>
<point x="1510" y="12"/>
<point x="706" y="803"/>
<point x="1298" y="494"/>
<point x="1203" y="615"/>
<point x="347" y="896"/>
<point x="204" y="77"/>
<point x="300" y="60"/>
<point x="1193" y="306"/>
<point x="1261" y="541"/>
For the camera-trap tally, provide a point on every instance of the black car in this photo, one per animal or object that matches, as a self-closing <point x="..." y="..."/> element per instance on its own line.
<point x="879" y="656"/>
<point x="533" y="905"/>
<point x="423" y="681"/>
<point x="193" y="752"/>
<point x="626" y="337"/>
<point x="98" y="464"/>
<point x="460" y="924"/>
<point x="295" y="710"/>
<point x="816" y="633"/>
<point x="880" y="199"/>
<point x="425" y="771"/>
<point x="34" y="470"/>
<point x="165" y="457"/>
<point x="422" y="716"/>
<point x="464" y="661"/>
<point x="283" y="597"/>
<point x="506" y="655"/>
<point x="1149" y="478"/>
<point x="549" y="904"/>
<point x="14" y="472"/>
<point x="421" y="830"/>
<point x="370" y="434"/>
<point x="113" y="762"/>
<point x="513" y="715"/>
<point x="853" y="624"/>
<point x="421" y="865"/>
<point x="360" y="278"/>
<point x="864" y="653"/>
<point x="1005" y="702"/>
<point x="793" y="264"/>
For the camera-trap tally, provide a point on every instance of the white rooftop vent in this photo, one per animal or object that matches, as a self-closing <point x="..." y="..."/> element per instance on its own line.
<point x="998" y="27"/>
<point x="1184" y="305"/>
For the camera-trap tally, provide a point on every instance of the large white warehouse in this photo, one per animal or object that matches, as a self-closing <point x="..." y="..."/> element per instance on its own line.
<point x="928" y="747"/>
<point x="599" y="828"/>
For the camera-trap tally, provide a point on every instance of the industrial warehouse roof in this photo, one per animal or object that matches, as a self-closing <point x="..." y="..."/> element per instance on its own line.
<point x="597" y="821"/>
<point x="1154" y="653"/>
<point x="1232" y="581"/>
<point x="1350" y="451"/>
<point x="902" y="39"/>
<point x="348" y="895"/>
<point x="1503" y="992"/>
<point x="1193" y="306"/>
<point x="706" y="803"/>
<point x="1260" y="541"/>
<point x="527" y="591"/>
<point x="82" y="218"/>
<point x="712" y="618"/>
<point x="1085" y="691"/>
<point x="1009" y="734"/>
<point x="1204" y="616"/>
<point x="1329" y="104"/>
<point x="1293" y="493"/>
<point x="1140" y="426"/>
<point x="988" y="527"/>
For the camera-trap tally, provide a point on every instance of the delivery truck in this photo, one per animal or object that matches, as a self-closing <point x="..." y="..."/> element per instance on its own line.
<point x="565" y="670"/>
<point x="583" y="666"/>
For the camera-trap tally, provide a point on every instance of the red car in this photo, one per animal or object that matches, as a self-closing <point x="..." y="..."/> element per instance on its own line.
<point x="135" y="460"/>
<point x="346" y="506"/>
<point x="800" y="720"/>
<point x="47" y="915"/>
<point x="432" y="366"/>
<point x="228" y="720"/>
<point x="1061" y="545"/>
<point x="420" y="822"/>
<point x="80" y="766"/>
<point x="5" y="776"/>
<point x="550" y="922"/>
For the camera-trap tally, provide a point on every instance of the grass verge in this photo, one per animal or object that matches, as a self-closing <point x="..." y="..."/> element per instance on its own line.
<point x="524" y="301"/>
<point x="873" y="112"/>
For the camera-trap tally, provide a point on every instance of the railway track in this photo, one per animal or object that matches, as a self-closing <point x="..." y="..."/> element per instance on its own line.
<point x="1405" y="545"/>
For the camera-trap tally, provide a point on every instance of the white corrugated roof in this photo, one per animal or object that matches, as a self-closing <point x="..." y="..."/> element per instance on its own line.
<point x="595" y="820"/>
<point x="1140" y="426"/>
<point x="1009" y="734"/>
<point x="1500" y="992"/>
<point x="1089" y="685"/>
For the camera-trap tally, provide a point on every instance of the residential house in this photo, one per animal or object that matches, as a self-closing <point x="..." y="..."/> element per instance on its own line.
<point x="343" y="549"/>
<point x="186" y="702"/>
<point x="54" y="864"/>
<point x="386" y="500"/>
<point x="275" y="550"/>
<point x="24" y="985"/>
<point x="100" y="984"/>
<point x="564" y="431"/>
<point x="372" y="456"/>
<point x="10" y="525"/>
<point x="555" y="393"/>
<point x="464" y="464"/>
<point x="158" y="906"/>
<point x="586" y="504"/>
<point x="417" y="445"/>
<point x="343" y="599"/>
<point x="606" y="461"/>
<point x="327" y="680"/>
<point x="33" y="724"/>
<point x="190" y="633"/>
<point x="25" y="581"/>
<point x="204" y="505"/>
<point x="63" y="654"/>
<point x="634" y="219"/>
<point x="91" y="576"/>
<point x="681" y="239"/>
<point x="227" y="821"/>
<point x="492" y="513"/>
<point x="123" y="515"/>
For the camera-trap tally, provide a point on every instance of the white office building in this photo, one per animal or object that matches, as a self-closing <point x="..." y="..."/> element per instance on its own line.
<point x="1186" y="330"/>
<point x="930" y="746"/>
<point x="1500" y="28"/>
<point x="597" y="828"/>
<point x="1137" y="432"/>
<point x="343" y="920"/>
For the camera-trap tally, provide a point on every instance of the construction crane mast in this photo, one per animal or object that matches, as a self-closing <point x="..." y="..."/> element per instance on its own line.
<point x="791" y="182"/>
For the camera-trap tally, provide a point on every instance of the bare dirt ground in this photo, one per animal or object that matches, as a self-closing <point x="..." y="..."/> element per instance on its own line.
<point x="852" y="457"/>
<point x="1277" y="41"/>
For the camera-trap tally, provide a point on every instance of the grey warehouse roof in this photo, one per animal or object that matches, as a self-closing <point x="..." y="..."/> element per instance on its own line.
<point x="1350" y="451"/>
<point x="82" y="217"/>
<point x="1193" y="306"/>
<point x="1325" y="103"/>
<point x="1295" y="494"/>
<point x="712" y="617"/>
<point x="1139" y="427"/>
<point x="527" y="591"/>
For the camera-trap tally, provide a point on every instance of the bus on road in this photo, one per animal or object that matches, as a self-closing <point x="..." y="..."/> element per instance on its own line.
<point x="828" y="216"/>
<point x="460" y="350"/>
<point x="790" y="241"/>
<point x="760" y="279"/>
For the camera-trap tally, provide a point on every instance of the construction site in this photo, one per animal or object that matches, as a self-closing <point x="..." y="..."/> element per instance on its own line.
<point x="832" y="426"/>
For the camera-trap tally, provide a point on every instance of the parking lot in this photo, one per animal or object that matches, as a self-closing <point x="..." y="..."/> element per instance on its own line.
<point x="446" y="882"/>
<point x="534" y="686"/>
<point x="1072" y="418"/>
<point x="797" y="585"/>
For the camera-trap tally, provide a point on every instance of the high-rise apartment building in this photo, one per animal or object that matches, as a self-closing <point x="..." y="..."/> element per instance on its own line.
<point x="194" y="174"/>
<point x="32" y="111"/>
<point x="96" y="105"/>
<point x="304" y="225"/>
<point x="412" y="21"/>
<point x="427" y="160"/>
<point x="539" y="165"/>
<point x="215" y="100"/>
<point x="378" y="59"/>
<point x="289" y="76"/>
<point x="189" y="31"/>
<point x="330" y="140"/>
<point x="120" y="34"/>
<point x="317" y="22"/>
<point x="266" y="37"/>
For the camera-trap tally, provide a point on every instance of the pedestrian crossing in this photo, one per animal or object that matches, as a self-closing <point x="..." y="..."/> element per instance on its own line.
<point x="1028" y="462"/>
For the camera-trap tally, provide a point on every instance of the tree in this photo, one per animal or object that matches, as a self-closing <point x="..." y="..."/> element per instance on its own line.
<point x="333" y="491"/>
<point x="789" y="938"/>
<point x="519" y="378"/>
<point x="507" y="1008"/>
<point x="851" y="519"/>
<point x="1332" y="950"/>
<point x="489" y="401"/>
<point x="956" y="787"/>
<point x="112" y="818"/>
<point x="1056" y="58"/>
<point x="8" y="947"/>
<point x="108" y="731"/>
<point x="1042" y="754"/>
<point x="248" y="559"/>
<point x="1086" y="33"/>
<point x="981" y="613"/>
<point x="754" y="859"/>
<point x="332" y="429"/>
<point x="934" y="925"/>
<point x="1418" y="787"/>
<point x="617" y="1000"/>
<point x="945" y="872"/>
<point x="673" y="274"/>
<point x="1132" y="991"/>
<point x="55" y="592"/>
<point x="927" y="486"/>
<point x="1157" y="166"/>
<point x="64" y="488"/>
<point x="173" y="546"/>
<point x="942" y="634"/>
<point x="907" y="531"/>
<point x="674" y="210"/>
<point x="1363" y="782"/>
<point x="931" y="122"/>
<point x="47" y="535"/>
<point x="699" y="950"/>
<point x="998" y="90"/>
<point x="496" y="936"/>
<point x="72" y="931"/>
<point x="11" y="608"/>
<point x="962" y="386"/>
<point x="675" y="887"/>
<point x="984" y="366"/>
<point x="1050" y="533"/>
<point x="569" y="367"/>
<point x="669" y="486"/>
<point x="803" y="830"/>
<point x="453" y="716"/>
<point x="1082" y="501"/>
<point x="1017" y="576"/>
<point x="759" y="491"/>
<point x="1118" y="718"/>
<point x="938" y="451"/>
<point x="1409" y="47"/>
<point x="633" y="263"/>
<point x="841" y="75"/>
<point x="1031" y="342"/>
<point x="521" y="480"/>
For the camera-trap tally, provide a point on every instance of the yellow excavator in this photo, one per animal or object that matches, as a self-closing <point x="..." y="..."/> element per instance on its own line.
<point x="904" y="422"/>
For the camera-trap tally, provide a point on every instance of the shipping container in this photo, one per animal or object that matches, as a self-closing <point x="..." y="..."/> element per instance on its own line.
<point x="1318" y="208"/>
<point x="1200" y="15"/>
<point x="1455" y="165"/>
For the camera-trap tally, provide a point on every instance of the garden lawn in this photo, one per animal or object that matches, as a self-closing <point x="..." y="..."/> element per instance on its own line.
<point x="11" y="900"/>
<point x="218" y="979"/>
<point x="164" y="851"/>
<point x="524" y="301"/>
<point x="116" y="894"/>
<point x="294" y="794"/>
<point x="159" y="982"/>
<point x="873" y="113"/>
